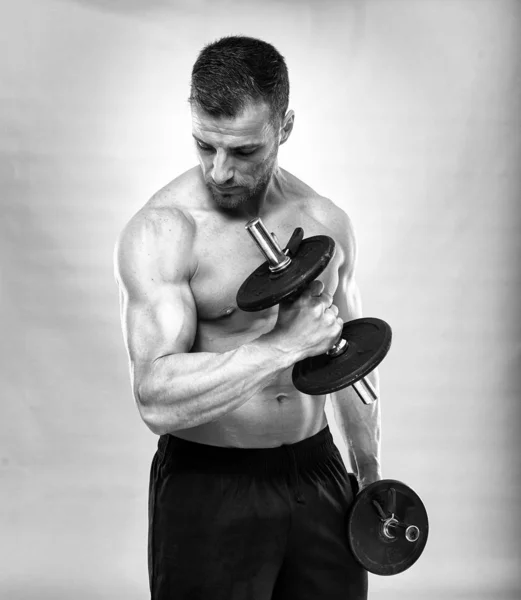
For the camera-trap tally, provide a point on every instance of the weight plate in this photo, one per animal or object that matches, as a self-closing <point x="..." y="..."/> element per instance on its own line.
<point x="263" y="289"/>
<point x="369" y="340"/>
<point x="374" y="550"/>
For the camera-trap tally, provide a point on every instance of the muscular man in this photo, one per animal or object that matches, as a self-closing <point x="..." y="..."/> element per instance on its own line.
<point x="248" y="493"/>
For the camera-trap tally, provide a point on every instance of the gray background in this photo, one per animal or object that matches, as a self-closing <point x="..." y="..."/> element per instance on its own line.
<point x="407" y="115"/>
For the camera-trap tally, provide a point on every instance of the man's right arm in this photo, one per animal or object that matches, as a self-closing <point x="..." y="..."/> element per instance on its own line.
<point x="173" y="388"/>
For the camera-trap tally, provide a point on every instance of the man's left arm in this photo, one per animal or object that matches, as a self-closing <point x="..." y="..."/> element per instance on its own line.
<point x="359" y="423"/>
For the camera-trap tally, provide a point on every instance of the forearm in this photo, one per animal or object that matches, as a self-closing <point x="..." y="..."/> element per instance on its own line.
<point x="182" y="391"/>
<point x="360" y="426"/>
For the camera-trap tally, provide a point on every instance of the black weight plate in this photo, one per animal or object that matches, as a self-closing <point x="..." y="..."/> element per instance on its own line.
<point x="369" y="341"/>
<point x="371" y="548"/>
<point x="263" y="289"/>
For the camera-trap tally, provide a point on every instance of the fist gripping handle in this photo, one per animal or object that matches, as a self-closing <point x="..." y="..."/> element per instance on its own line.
<point x="363" y="342"/>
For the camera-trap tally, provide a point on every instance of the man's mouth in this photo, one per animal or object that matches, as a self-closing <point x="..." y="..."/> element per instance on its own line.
<point x="227" y="190"/>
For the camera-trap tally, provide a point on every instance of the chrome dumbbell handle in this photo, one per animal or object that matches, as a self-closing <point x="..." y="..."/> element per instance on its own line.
<point x="268" y="245"/>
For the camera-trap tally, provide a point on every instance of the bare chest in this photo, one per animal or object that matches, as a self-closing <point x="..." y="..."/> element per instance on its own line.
<point x="226" y="256"/>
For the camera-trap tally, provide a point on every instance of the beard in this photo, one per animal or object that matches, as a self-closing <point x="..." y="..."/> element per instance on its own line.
<point x="262" y="178"/>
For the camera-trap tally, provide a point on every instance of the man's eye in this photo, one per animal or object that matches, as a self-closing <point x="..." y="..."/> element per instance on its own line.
<point x="245" y="152"/>
<point x="204" y="147"/>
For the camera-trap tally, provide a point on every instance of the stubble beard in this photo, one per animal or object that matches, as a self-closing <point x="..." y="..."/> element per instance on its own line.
<point x="233" y="201"/>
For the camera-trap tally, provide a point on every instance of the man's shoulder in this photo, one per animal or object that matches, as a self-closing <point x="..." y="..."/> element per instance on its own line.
<point x="169" y="210"/>
<point x="180" y="197"/>
<point x="322" y="209"/>
<point x="164" y="219"/>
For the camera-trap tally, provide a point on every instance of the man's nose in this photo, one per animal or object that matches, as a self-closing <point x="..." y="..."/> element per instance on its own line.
<point x="222" y="170"/>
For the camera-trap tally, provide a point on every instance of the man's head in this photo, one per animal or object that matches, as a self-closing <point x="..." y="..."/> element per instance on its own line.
<point x="239" y="99"/>
<point x="236" y="71"/>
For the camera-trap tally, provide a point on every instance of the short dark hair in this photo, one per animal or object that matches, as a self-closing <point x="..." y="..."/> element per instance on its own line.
<point x="236" y="70"/>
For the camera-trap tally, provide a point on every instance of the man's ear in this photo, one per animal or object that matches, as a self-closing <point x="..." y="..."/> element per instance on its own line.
<point x="287" y="126"/>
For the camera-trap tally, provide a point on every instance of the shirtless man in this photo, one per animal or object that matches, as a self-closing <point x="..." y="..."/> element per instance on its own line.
<point x="248" y="493"/>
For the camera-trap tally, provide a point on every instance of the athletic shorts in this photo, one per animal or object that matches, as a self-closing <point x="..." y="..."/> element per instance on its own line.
<point x="251" y="524"/>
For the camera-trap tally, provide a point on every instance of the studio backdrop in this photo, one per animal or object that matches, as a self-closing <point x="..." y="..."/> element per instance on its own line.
<point x="407" y="116"/>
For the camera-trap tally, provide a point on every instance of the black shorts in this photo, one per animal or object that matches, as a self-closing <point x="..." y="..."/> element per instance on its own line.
<point x="251" y="524"/>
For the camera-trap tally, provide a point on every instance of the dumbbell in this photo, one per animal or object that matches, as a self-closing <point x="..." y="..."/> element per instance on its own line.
<point x="363" y="343"/>
<point x="387" y="527"/>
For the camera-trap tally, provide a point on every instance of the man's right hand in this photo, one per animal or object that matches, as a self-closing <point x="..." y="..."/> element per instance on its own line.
<point x="309" y="325"/>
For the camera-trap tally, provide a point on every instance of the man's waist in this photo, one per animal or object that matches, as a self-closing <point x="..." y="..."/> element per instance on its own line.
<point x="305" y="454"/>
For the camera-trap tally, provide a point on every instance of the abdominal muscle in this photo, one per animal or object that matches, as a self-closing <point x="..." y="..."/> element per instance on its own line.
<point x="278" y="415"/>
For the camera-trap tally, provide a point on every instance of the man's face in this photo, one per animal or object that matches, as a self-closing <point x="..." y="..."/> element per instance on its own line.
<point x="238" y="154"/>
